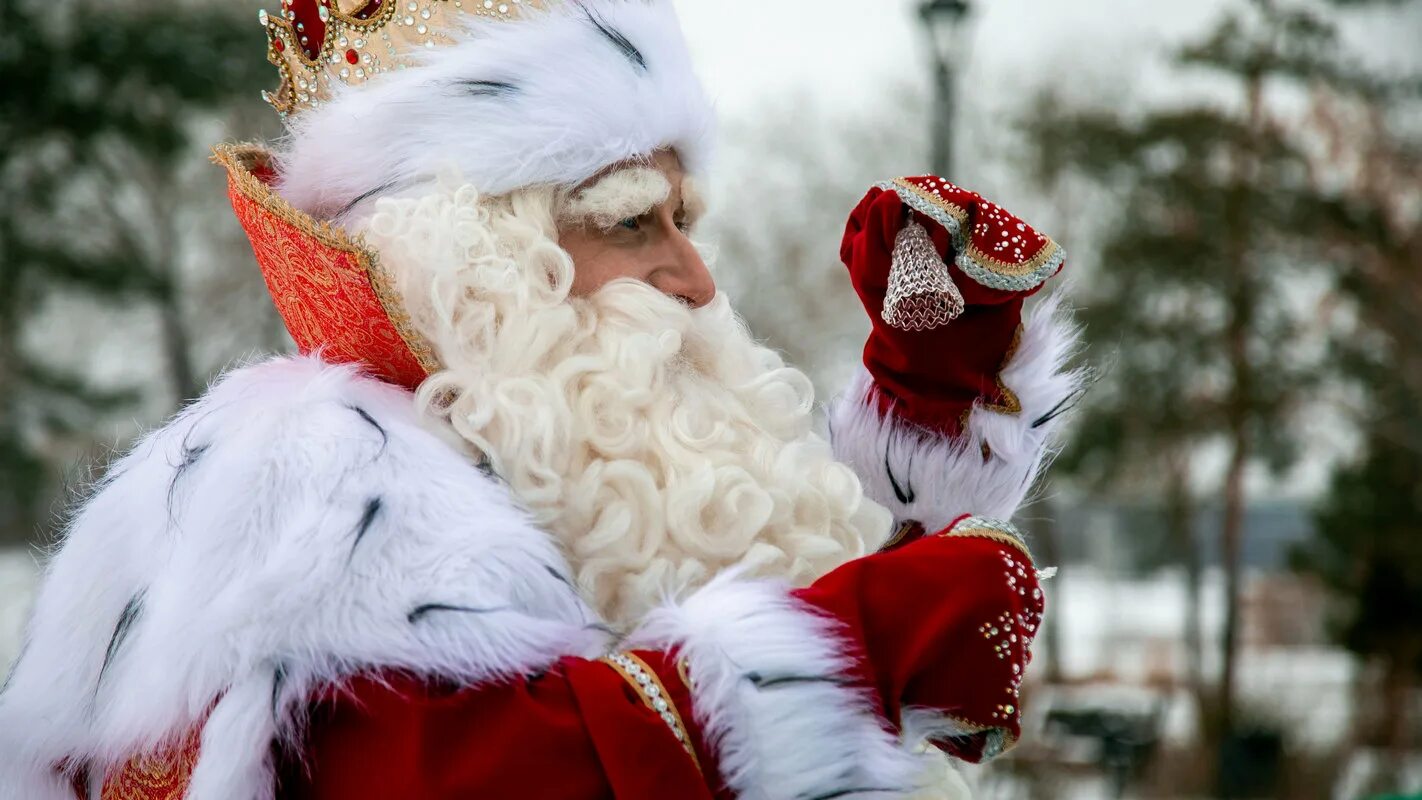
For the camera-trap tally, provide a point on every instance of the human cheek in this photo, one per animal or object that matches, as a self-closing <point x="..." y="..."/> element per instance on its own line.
<point x="596" y="270"/>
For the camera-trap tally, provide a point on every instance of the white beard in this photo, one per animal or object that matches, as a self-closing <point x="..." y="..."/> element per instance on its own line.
<point x="660" y="444"/>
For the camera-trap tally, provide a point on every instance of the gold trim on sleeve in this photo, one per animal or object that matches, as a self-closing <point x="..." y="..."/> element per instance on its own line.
<point x="654" y="694"/>
<point x="1011" y="404"/>
<point x="997" y="530"/>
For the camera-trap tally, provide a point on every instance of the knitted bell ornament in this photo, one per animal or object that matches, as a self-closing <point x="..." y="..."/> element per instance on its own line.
<point x="943" y="273"/>
<point x="922" y="295"/>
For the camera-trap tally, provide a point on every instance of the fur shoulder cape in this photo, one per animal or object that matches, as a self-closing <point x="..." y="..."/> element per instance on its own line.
<point x="294" y="526"/>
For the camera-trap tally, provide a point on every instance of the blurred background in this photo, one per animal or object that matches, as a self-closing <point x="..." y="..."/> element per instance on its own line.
<point x="1237" y="516"/>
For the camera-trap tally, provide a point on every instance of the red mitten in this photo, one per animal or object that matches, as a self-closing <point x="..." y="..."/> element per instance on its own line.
<point x="943" y="626"/>
<point x="943" y="274"/>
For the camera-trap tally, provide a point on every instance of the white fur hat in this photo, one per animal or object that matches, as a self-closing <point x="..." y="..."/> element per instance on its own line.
<point x="551" y="98"/>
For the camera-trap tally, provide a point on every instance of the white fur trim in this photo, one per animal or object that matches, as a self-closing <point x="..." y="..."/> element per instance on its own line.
<point x="792" y="739"/>
<point x="949" y="477"/>
<point x="239" y="527"/>
<point x="577" y="104"/>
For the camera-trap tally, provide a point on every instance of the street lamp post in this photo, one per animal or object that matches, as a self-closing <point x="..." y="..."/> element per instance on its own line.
<point x="943" y="19"/>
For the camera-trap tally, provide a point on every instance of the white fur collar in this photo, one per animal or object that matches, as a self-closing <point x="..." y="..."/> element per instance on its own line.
<point x="292" y="527"/>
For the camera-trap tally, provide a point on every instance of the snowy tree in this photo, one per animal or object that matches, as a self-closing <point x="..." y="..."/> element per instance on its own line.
<point x="96" y="123"/>
<point x="1206" y="302"/>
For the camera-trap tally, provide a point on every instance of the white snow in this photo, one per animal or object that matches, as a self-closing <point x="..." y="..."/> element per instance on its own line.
<point x="1118" y="633"/>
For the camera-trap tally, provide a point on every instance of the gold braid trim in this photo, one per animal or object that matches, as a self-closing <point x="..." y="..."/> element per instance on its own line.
<point x="1011" y="404"/>
<point x="683" y="671"/>
<point x="953" y="210"/>
<point x="1046" y="254"/>
<point x="240" y="159"/>
<point x="985" y="528"/>
<point x="641" y="677"/>
<point x="163" y="774"/>
<point x="900" y="533"/>
<point x="997" y="536"/>
<point x="971" y="728"/>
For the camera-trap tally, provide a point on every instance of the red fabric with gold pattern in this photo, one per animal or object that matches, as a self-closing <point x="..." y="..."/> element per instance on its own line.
<point x="160" y="776"/>
<point x="934" y="377"/>
<point x="331" y="291"/>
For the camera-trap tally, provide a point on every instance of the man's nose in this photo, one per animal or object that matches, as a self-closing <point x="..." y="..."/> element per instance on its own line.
<point x="686" y="276"/>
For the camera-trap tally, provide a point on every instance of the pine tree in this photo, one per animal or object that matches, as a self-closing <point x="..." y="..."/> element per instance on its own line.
<point x="1368" y="552"/>
<point x="95" y="94"/>
<point x="1368" y="548"/>
<point x="1197" y="309"/>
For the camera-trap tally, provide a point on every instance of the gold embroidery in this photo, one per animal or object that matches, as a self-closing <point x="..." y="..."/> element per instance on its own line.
<point x="683" y="671"/>
<point x="241" y="161"/>
<point x="1011" y="404"/>
<point x="953" y="210"/>
<point x="988" y="528"/>
<point x="163" y="775"/>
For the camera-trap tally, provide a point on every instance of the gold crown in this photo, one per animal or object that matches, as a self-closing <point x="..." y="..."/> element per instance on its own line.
<point x="317" y="43"/>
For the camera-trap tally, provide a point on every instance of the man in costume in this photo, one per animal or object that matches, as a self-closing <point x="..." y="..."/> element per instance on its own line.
<point x="533" y="516"/>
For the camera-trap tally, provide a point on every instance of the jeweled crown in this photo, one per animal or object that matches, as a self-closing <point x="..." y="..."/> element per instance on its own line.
<point x="318" y="43"/>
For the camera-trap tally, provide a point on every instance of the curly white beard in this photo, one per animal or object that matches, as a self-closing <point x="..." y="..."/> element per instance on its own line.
<point x="660" y="444"/>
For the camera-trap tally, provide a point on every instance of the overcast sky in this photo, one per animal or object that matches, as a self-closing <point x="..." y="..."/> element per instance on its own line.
<point x="848" y="47"/>
<point x="851" y="54"/>
<point x="845" y="49"/>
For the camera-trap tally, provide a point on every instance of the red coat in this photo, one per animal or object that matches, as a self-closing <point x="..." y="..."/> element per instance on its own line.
<point x="942" y="623"/>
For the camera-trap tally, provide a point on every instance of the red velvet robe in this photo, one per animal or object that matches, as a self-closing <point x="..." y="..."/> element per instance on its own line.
<point x="942" y="623"/>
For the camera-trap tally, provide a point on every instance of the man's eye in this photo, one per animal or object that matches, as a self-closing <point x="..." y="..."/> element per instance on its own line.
<point x="631" y="223"/>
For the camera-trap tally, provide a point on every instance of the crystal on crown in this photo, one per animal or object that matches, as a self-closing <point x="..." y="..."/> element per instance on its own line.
<point x="316" y="44"/>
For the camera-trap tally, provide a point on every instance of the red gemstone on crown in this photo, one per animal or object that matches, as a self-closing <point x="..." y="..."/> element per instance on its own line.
<point x="352" y="56"/>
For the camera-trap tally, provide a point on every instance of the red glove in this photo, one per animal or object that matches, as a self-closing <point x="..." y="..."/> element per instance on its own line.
<point x="944" y="626"/>
<point x="954" y="289"/>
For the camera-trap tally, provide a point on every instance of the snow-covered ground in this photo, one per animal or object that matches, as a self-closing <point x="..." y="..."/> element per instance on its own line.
<point x="1130" y="632"/>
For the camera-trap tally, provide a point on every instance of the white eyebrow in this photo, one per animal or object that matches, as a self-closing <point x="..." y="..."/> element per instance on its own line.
<point x="625" y="193"/>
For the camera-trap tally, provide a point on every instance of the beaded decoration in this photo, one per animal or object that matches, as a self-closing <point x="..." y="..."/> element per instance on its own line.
<point x="654" y="695"/>
<point x="993" y="247"/>
<point x="316" y="44"/>
<point x="1009" y="633"/>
